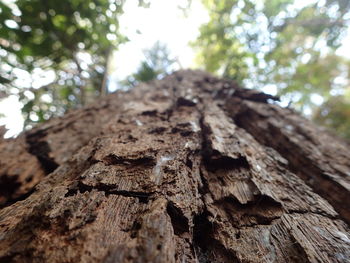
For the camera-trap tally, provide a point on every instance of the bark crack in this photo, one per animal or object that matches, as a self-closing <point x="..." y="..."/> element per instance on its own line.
<point x="207" y="248"/>
<point x="178" y="219"/>
<point x="113" y="159"/>
<point x="39" y="147"/>
<point x="80" y="187"/>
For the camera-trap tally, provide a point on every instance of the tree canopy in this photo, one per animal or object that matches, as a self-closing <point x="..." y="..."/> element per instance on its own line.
<point x="287" y="45"/>
<point x="55" y="56"/>
<point x="63" y="45"/>
<point x="157" y="63"/>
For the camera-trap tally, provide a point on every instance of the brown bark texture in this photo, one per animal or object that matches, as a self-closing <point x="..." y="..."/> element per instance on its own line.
<point x="190" y="168"/>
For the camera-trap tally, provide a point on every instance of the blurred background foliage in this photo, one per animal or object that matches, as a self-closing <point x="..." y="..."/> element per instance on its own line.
<point x="287" y="46"/>
<point x="55" y="55"/>
<point x="156" y="64"/>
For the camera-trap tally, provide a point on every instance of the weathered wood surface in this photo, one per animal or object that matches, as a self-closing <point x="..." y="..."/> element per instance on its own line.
<point x="187" y="169"/>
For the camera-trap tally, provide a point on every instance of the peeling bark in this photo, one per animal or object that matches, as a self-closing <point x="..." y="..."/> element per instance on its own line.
<point x="190" y="168"/>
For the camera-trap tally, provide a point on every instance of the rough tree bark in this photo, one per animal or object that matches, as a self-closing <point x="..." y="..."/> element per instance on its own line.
<point x="190" y="168"/>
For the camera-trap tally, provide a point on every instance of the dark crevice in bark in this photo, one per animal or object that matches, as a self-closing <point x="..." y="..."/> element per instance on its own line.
<point x="217" y="162"/>
<point x="39" y="147"/>
<point x="112" y="159"/>
<point x="207" y="248"/>
<point x="254" y="95"/>
<point x="18" y="257"/>
<point x="205" y="153"/>
<point x="183" y="132"/>
<point x="136" y="226"/>
<point x="16" y="199"/>
<point x="206" y="148"/>
<point x="8" y="259"/>
<point x="178" y="219"/>
<point x="157" y="130"/>
<point x="230" y="88"/>
<point x="143" y="197"/>
<point x="185" y="102"/>
<point x="80" y="187"/>
<point x="189" y="162"/>
<point x="149" y="113"/>
<point x="8" y="186"/>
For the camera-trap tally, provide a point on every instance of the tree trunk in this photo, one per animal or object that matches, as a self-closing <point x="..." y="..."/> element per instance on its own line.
<point x="190" y="168"/>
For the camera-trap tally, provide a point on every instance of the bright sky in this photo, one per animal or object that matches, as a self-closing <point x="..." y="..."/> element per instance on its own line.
<point x="162" y="21"/>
